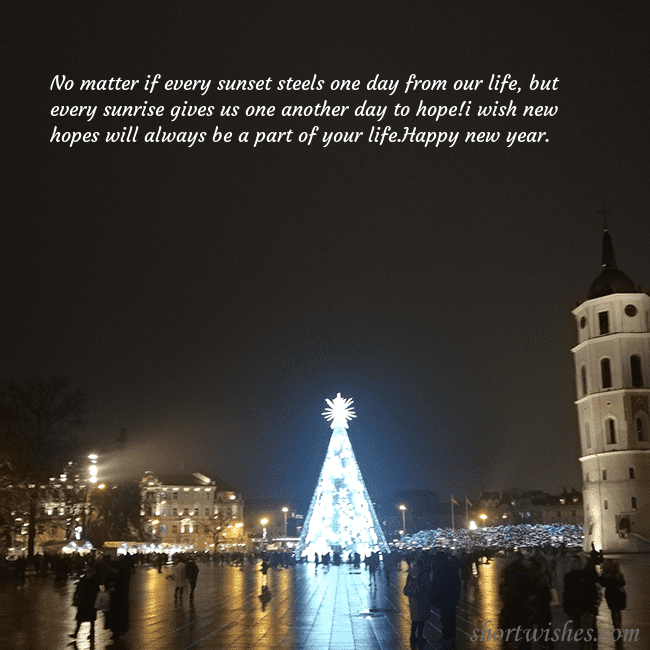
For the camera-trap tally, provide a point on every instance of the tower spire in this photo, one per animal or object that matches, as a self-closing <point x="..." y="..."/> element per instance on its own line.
<point x="609" y="261"/>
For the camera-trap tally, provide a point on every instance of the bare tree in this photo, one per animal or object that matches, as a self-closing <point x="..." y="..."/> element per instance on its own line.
<point x="116" y="515"/>
<point x="216" y="527"/>
<point x="36" y="419"/>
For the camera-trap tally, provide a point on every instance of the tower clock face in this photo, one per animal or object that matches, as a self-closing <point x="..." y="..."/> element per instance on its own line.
<point x="630" y="310"/>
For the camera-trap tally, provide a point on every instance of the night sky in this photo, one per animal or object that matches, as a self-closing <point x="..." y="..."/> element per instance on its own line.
<point x="210" y="298"/>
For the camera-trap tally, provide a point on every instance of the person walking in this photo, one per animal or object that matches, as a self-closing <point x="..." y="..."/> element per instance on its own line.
<point x="417" y="588"/>
<point x="84" y="601"/>
<point x="179" y="575"/>
<point x="615" y="596"/>
<point x="118" y="581"/>
<point x="192" y="573"/>
<point x="581" y="600"/>
<point x="444" y="594"/>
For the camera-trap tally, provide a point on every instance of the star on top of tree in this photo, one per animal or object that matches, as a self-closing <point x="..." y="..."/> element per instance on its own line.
<point x="339" y="411"/>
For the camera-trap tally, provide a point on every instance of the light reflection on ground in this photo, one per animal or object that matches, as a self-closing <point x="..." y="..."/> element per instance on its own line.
<point x="308" y="608"/>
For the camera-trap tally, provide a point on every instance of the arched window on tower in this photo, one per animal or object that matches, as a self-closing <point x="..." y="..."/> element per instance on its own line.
<point x="636" y="370"/>
<point x="610" y="427"/>
<point x="583" y="378"/>
<point x="606" y="373"/>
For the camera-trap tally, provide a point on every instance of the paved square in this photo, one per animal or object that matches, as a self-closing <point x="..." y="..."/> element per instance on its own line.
<point x="311" y="608"/>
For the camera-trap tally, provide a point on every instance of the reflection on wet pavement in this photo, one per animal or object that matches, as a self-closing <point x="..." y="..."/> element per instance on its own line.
<point x="314" y="608"/>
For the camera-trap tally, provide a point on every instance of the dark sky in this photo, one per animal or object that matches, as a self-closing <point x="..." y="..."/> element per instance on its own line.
<point x="210" y="298"/>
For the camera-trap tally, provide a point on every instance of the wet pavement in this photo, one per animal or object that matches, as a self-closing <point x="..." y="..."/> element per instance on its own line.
<point x="310" y="608"/>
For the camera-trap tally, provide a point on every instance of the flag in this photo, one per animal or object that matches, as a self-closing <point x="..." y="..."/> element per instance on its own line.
<point x="454" y="500"/>
<point x="468" y="502"/>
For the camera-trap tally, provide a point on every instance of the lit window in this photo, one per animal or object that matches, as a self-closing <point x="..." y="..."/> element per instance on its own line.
<point x="603" y="321"/>
<point x="635" y="368"/>
<point x="611" y="431"/>
<point x="606" y="373"/>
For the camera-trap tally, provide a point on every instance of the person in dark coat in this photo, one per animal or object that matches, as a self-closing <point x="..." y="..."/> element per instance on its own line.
<point x="117" y="584"/>
<point x="581" y="599"/>
<point x="445" y="592"/>
<point x="615" y="596"/>
<point x="525" y="591"/>
<point x="419" y="575"/>
<point x="84" y="601"/>
<point x="192" y="573"/>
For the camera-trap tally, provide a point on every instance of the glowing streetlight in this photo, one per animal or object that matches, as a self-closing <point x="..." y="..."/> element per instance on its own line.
<point x="285" y="510"/>
<point x="93" y="467"/>
<point x="402" y="507"/>
<point x="483" y="517"/>
<point x="264" y="522"/>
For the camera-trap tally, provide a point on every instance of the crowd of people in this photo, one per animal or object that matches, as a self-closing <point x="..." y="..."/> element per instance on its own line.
<point x="435" y="578"/>
<point x="497" y="537"/>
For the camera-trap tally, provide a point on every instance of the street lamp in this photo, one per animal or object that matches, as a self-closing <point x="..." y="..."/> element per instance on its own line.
<point x="285" y="510"/>
<point x="483" y="518"/>
<point x="264" y="522"/>
<point x="93" y="467"/>
<point x="402" y="507"/>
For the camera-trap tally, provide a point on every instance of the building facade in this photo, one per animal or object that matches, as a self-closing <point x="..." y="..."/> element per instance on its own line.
<point x="192" y="512"/>
<point x="612" y="365"/>
<point x="531" y="507"/>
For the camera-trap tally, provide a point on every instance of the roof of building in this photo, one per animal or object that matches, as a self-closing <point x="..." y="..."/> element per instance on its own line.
<point x="192" y="480"/>
<point x="611" y="279"/>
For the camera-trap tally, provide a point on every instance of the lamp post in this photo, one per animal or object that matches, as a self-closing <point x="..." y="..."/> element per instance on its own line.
<point x="285" y="510"/>
<point x="92" y="471"/>
<point x="402" y="507"/>
<point x="264" y="522"/>
<point x="483" y="518"/>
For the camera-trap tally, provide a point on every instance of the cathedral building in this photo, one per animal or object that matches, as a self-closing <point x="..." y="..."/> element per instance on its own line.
<point x="612" y="363"/>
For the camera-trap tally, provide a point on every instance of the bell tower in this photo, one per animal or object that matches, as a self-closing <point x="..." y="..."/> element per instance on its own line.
<point x="612" y="364"/>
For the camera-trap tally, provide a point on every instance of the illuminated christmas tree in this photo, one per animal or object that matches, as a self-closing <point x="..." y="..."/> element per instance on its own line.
<point x="341" y="517"/>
